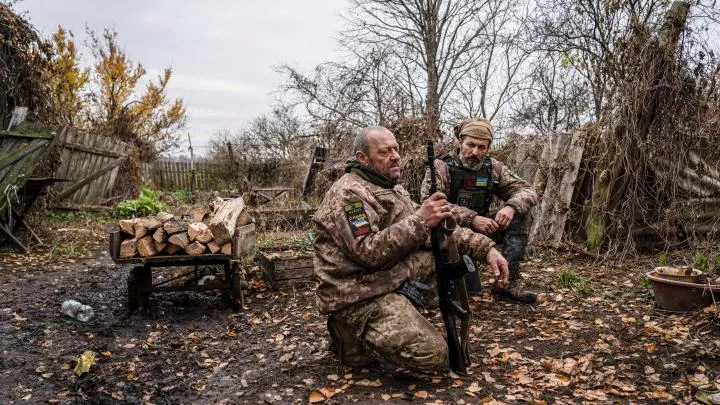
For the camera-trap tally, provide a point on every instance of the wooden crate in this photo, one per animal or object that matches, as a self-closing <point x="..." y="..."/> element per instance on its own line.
<point x="281" y="266"/>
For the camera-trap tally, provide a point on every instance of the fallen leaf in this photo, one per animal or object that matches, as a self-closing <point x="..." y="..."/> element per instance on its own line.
<point x="26" y="397"/>
<point x="232" y="334"/>
<point x="369" y="383"/>
<point x="474" y="388"/>
<point x="333" y="377"/>
<point x="106" y="354"/>
<point x="421" y="394"/>
<point x="328" y="392"/>
<point x="18" y="317"/>
<point x="316" y="396"/>
<point x="84" y="362"/>
<point x="385" y="397"/>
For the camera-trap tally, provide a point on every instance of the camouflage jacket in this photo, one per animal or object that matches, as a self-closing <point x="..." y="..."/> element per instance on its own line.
<point x="370" y="240"/>
<point x="510" y="188"/>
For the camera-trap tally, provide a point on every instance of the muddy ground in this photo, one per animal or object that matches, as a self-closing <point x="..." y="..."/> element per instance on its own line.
<point x="599" y="340"/>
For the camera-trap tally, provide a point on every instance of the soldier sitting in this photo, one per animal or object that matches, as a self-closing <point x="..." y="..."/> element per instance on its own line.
<point x="471" y="178"/>
<point x="371" y="248"/>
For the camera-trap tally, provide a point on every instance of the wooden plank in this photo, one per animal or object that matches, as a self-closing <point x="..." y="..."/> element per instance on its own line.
<point x="19" y="154"/>
<point x="65" y="155"/>
<point x="90" y="178"/>
<point x="15" y="134"/>
<point x="80" y="164"/>
<point x="92" y="150"/>
<point x="82" y="196"/>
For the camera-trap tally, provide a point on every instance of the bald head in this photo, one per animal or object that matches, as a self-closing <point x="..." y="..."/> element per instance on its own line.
<point x="378" y="148"/>
<point x="362" y="140"/>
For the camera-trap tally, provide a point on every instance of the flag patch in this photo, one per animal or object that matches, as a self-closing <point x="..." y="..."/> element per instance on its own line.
<point x="481" y="182"/>
<point x="357" y="219"/>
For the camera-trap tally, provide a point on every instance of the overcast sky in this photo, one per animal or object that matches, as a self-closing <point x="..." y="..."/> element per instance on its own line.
<point x="222" y="52"/>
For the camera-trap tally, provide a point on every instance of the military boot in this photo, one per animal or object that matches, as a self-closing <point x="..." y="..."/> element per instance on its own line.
<point x="514" y="290"/>
<point x="349" y="349"/>
<point x="473" y="284"/>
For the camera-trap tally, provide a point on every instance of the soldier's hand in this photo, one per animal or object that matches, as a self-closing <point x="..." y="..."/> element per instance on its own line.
<point x="505" y="216"/>
<point x="498" y="266"/>
<point x="434" y="209"/>
<point x="485" y="226"/>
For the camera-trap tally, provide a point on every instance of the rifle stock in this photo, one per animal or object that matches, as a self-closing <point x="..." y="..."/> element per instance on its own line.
<point x="446" y="272"/>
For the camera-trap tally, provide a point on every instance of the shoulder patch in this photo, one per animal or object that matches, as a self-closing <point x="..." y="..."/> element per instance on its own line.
<point x="357" y="219"/>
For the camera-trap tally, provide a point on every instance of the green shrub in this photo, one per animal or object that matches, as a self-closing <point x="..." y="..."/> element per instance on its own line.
<point x="146" y="204"/>
<point x="662" y="260"/>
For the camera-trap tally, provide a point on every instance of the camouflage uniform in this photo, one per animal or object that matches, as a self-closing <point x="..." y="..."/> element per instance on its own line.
<point x="369" y="241"/>
<point x="507" y="186"/>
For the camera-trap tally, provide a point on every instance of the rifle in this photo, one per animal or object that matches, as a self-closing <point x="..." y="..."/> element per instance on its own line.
<point x="450" y="269"/>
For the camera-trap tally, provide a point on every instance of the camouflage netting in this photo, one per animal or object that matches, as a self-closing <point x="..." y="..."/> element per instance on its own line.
<point x="25" y="56"/>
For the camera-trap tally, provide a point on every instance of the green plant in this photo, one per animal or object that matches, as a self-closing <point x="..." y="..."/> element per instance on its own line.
<point x="54" y="216"/>
<point x="645" y="282"/>
<point x="569" y="279"/>
<point x="701" y="262"/>
<point x="182" y="196"/>
<point x="146" y="204"/>
<point x="662" y="259"/>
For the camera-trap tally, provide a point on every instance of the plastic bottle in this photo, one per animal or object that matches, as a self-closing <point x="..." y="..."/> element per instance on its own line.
<point x="74" y="309"/>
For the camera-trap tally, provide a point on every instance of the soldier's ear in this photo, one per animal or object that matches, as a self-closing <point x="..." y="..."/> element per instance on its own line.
<point x="362" y="157"/>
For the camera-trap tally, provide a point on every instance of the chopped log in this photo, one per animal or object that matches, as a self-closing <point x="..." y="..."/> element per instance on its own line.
<point x="164" y="216"/>
<point x="160" y="235"/>
<point x="128" y="248"/>
<point x="127" y="226"/>
<point x="244" y="240"/>
<point x="200" y="214"/>
<point x="146" y="246"/>
<point x="180" y="239"/>
<point x="151" y="223"/>
<point x="140" y="231"/>
<point x="226" y="249"/>
<point x="224" y="221"/>
<point x="199" y="232"/>
<point x="196" y="248"/>
<point x="215" y="204"/>
<point x="160" y="246"/>
<point x="214" y="248"/>
<point x="172" y="249"/>
<point x="175" y="225"/>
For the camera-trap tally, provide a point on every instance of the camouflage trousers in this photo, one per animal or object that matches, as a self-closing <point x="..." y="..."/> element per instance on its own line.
<point x="391" y="328"/>
<point x="514" y="240"/>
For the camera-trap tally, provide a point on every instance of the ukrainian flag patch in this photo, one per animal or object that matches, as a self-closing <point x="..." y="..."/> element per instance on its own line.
<point x="357" y="219"/>
<point x="481" y="182"/>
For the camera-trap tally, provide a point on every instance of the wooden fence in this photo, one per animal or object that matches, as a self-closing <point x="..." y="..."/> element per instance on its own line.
<point x="91" y="164"/>
<point x="172" y="175"/>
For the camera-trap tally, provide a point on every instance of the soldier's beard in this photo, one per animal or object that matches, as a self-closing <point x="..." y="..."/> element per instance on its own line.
<point x="471" y="163"/>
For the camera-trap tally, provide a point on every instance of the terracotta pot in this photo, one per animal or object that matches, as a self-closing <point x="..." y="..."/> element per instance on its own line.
<point x="679" y="296"/>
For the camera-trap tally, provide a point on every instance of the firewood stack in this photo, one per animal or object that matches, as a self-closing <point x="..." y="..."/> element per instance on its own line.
<point x="203" y="232"/>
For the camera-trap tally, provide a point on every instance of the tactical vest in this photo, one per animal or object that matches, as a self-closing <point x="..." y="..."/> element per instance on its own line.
<point x="470" y="188"/>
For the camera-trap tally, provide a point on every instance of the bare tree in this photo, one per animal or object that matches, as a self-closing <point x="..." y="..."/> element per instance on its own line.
<point x="592" y="37"/>
<point x="440" y="38"/>
<point x="501" y="67"/>
<point x="555" y="98"/>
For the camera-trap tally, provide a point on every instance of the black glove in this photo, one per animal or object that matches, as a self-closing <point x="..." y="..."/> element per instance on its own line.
<point x="413" y="291"/>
